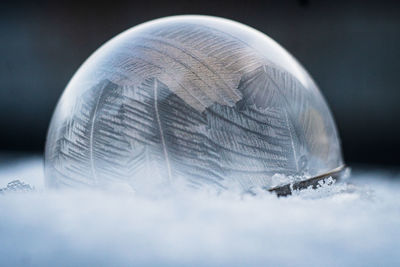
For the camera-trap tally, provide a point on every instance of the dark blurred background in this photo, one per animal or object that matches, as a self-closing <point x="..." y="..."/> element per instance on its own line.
<point x="351" y="48"/>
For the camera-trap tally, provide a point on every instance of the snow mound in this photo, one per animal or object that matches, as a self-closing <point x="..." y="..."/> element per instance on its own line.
<point x="343" y="224"/>
<point x="16" y="186"/>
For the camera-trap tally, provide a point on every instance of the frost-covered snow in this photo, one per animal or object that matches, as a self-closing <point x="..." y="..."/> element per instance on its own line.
<point x="349" y="224"/>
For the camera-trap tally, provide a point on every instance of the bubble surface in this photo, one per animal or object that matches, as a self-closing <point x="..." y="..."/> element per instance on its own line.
<point x="192" y="100"/>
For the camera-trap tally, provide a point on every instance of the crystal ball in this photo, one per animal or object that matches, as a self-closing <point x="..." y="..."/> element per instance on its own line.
<point x="190" y="100"/>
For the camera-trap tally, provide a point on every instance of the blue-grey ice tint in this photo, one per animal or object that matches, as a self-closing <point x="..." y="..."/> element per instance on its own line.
<point x="193" y="99"/>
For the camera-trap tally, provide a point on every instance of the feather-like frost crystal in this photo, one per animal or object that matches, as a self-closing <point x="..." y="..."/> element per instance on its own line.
<point x="198" y="99"/>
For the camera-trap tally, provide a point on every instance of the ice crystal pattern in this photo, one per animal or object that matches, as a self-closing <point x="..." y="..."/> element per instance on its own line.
<point x="197" y="99"/>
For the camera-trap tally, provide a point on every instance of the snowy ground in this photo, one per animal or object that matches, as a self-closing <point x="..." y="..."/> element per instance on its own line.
<point x="349" y="224"/>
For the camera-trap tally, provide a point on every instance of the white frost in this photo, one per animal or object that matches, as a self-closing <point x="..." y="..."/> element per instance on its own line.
<point x="347" y="224"/>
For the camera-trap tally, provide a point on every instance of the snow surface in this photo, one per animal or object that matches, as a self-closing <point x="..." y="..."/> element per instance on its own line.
<point x="356" y="223"/>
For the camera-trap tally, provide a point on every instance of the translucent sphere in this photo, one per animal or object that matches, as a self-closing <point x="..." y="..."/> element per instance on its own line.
<point x="195" y="99"/>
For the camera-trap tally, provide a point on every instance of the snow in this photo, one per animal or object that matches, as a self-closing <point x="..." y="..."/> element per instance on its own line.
<point x="356" y="223"/>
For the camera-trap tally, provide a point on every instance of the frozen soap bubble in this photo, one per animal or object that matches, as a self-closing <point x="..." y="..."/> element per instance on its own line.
<point x="193" y="99"/>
